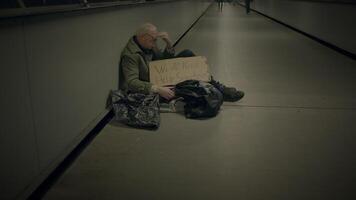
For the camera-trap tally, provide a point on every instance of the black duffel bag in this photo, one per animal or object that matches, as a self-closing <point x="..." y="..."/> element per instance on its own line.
<point x="202" y="99"/>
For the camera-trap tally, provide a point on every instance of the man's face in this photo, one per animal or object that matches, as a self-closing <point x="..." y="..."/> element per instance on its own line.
<point x="150" y="39"/>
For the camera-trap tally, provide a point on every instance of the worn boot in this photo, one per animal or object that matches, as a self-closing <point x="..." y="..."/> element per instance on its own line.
<point x="229" y="93"/>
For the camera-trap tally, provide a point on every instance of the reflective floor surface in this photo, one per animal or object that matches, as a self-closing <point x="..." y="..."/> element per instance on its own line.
<point x="291" y="137"/>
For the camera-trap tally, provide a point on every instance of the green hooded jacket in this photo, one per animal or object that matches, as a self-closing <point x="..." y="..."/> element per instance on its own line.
<point x="134" y="73"/>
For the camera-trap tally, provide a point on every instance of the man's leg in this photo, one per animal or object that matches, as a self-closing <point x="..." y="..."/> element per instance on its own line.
<point x="230" y="94"/>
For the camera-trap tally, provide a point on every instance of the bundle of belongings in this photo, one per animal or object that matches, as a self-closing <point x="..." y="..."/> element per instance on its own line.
<point x="190" y="78"/>
<point x="202" y="100"/>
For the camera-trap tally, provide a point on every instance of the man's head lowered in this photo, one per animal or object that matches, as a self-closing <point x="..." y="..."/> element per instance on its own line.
<point x="147" y="35"/>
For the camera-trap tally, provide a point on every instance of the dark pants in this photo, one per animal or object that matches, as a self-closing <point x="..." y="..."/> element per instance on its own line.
<point x="185" y="53"/>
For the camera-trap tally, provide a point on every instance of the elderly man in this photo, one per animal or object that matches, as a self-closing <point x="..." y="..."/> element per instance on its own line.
<point x="140" y="50"/>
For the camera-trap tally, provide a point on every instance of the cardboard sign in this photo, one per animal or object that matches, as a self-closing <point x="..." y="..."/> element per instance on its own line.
<point x="173" y="71"/>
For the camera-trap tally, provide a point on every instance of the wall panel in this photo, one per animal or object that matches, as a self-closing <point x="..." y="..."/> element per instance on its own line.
<point x="18" y="152"/>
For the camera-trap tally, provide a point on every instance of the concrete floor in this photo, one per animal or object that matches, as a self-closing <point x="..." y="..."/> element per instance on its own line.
<point x="291" y="137"/>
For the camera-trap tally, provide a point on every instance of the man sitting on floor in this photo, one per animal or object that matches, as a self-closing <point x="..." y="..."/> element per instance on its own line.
<point x="140" y="50"/>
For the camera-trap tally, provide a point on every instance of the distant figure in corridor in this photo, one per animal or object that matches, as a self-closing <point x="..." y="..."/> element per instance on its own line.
<point x="220" y="4"/>
<point x="140" y="50"/>
<point x="247" y="5"/>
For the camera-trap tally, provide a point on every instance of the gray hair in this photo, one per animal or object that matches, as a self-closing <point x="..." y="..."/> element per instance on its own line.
<point x="145" y="28"/>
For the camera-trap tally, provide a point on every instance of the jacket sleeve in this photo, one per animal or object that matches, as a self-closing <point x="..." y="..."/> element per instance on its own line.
<point x="167" y="53"/>
<point x="130" y="70"/>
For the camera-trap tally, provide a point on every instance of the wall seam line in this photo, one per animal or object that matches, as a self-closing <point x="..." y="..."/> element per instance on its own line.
<point x="25" y="45"/>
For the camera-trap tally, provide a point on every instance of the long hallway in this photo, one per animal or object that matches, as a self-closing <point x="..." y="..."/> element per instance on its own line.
<point x="290" y="137"/>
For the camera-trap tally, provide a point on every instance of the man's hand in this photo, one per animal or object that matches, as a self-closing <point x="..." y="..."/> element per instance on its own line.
<point x="165" y="38"/>
<point x="165" y="92"/>
<point x="163" y="35"/>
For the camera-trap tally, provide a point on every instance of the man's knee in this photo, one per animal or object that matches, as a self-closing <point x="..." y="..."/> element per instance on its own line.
<point x="186" y="53"/>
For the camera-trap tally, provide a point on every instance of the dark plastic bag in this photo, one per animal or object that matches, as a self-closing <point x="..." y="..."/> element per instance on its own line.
<point x="135" y="109"/>
<point x="202" y="99"/>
